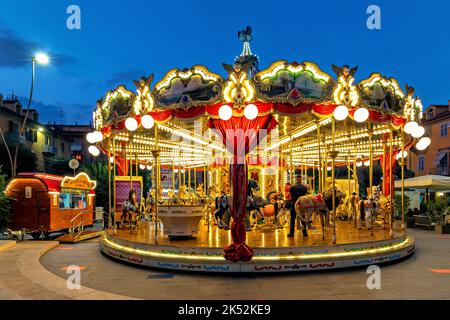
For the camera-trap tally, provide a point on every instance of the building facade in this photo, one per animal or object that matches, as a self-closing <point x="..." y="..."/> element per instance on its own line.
<point x="436" y="158"/>
<point x="49" y="143"/>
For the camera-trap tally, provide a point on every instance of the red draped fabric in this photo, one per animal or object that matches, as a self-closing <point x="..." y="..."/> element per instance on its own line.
<point x="389" y="167"/>
<point x="122" y="165"/>
<point x="240" y="136"/>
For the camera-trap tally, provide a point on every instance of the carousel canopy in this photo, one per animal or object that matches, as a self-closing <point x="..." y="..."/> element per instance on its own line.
<point x="307" y="104"/>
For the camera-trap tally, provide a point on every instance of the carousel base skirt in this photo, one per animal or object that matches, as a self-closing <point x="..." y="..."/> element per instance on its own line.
<point x="273" y="251"/>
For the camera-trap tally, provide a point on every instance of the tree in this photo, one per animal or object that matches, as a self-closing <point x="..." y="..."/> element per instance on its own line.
<point x="26" y="158"/>
<point x="98" y="171"/>
<point x="59" y="167"/>
<point x="5" y="206"/>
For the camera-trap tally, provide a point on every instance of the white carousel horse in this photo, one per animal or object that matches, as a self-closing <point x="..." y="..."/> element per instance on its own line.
<point x="306" y="205"/>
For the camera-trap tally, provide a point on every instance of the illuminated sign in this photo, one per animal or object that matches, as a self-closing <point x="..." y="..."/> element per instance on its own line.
<point x="80" y="181"/>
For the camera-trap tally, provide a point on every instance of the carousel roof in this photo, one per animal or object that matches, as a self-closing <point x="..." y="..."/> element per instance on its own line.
<point x="300" y="96"/>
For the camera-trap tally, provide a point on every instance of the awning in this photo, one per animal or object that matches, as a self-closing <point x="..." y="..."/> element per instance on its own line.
<point x="430" y="182"/>
<point x="440" y="156"/>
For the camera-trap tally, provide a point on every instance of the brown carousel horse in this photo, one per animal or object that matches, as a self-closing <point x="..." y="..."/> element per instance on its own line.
<point x="307" y="205"/>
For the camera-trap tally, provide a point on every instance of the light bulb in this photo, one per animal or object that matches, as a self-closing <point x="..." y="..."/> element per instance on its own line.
<point x="251" y="111"/>
<point x="131" y="124"/>
<point x="418" y="132"/>
<point x="94" y="151"/>
<point x="410" y="127"/>
<point x="90" y="137"/>
<point x="340" y="113"/>
<point x="361" y="114"/>
<point x="147" y="121"/>
<point x="97" y="136"/>
<point x="225" y="112"/>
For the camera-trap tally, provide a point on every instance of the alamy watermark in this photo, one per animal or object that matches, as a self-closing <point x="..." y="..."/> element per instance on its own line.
<point x="374" y="280"/>
<point x="73" y="281"/>
<point x="374" y="20"/>
<point x="73" y="21"/>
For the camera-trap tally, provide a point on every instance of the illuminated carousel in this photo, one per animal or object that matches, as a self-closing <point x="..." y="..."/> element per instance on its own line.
<point x="199" y="137"/>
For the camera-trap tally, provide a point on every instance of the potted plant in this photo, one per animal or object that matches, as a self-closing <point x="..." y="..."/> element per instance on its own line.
<point x="438" y="211"/>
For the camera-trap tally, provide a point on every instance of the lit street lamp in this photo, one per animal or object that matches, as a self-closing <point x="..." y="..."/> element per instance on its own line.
<point x="43" y="59"/>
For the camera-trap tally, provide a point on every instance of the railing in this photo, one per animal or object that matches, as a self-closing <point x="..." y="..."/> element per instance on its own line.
<point x="79" y="226"/>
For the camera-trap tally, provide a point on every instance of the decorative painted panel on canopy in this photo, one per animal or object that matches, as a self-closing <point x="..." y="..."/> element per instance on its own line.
<point x="187" y="88"/>
<point x="294" y="83"/>
<point x="117" y="105"/>
<point x="380" y="92"/>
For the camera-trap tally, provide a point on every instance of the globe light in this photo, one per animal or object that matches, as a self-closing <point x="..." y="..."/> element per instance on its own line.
<point x="94" y="151"/>
<point x="423" y="143"/>
<point x="225" y="112"/>
<point x="361" y="115"/>
<point x="41" y="58"/>
<point x="340" y="113"/>
<point x="111" y="159"/>
<point x="147" y="121"/>
<point x="359" y="164"/>
<point x="329" y="168"/>
<point x="142" y="166"/>
<point x="90" y="137"/>
<point x="97" y="136"/>
<point x="251" y="111"/>
<point x="367" y="163"/>
<point x="131" y="124"/>
<point x="399" y="155"/>
<point x="418" y="132"/>
<point x="410" y="127"/>
<point x="149" y="167"/>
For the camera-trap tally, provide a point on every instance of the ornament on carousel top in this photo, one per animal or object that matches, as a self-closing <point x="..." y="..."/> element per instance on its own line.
<point x="346" y="93"/>
<point x="144" y="101"/>
<point x="237" y="88"/>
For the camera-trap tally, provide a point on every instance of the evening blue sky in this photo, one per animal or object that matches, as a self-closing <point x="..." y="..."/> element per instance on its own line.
<point x="123" y="40"/>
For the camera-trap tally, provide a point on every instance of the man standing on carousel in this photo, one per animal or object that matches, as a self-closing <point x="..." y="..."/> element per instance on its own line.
<point x="296" y="191"/>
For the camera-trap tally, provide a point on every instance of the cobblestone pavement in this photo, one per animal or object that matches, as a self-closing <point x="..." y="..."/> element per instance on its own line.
<point x="426" y="275"/>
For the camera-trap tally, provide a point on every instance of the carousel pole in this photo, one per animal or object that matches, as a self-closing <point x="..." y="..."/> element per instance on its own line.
<point x="131" y="162"/>
<point x="319" y="167"/>
<point x="109" y="189"/>
<point x="391" y="191"/>
<point x="355" y="176"/>
<point x="291" y="166"/>
<point x="333" y="155"/>
<point x="157" y="181"/>
<point x="114" y="184"/>
<point x="383" y="164"/>
<point x="402" y="164"/>
<point x="173" y="175"/>
<point x="370" y="172"/>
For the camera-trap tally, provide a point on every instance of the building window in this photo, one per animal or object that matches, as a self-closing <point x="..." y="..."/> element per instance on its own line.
<point x="48" y="140"/>
<point x="431" y="114"/>
<point x="63" y="147"/>
<point x="444" y="130"/>
<point x="13" y="127"/>
<point x="421" y="163"/>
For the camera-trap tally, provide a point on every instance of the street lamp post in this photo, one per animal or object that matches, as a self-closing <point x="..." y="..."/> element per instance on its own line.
<point x="39" y="58"/>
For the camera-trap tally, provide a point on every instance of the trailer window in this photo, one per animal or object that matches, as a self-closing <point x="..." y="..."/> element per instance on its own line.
<point x="73" y="200"/>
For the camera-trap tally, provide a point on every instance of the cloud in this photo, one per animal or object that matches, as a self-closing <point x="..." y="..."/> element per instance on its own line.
<point x="16" y="51"/>
<point x="61" y="112"/>
<point x="125" y="76"/>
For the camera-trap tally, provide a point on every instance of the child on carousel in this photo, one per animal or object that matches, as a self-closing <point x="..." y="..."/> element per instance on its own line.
<point x="130" y="208"/>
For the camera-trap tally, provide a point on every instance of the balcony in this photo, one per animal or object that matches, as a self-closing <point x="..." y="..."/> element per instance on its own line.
<point x="48" y="150"/>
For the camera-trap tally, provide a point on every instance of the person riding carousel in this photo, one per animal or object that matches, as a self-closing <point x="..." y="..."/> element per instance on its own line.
<point x="130" y="208"/>
<point x="223" y="213"/>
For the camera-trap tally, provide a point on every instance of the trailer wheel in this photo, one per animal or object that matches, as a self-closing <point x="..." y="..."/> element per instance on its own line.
<point x="36" y="235"/>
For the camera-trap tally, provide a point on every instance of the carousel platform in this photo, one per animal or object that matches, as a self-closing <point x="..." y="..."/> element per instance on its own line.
<point x="273" y="250"/>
